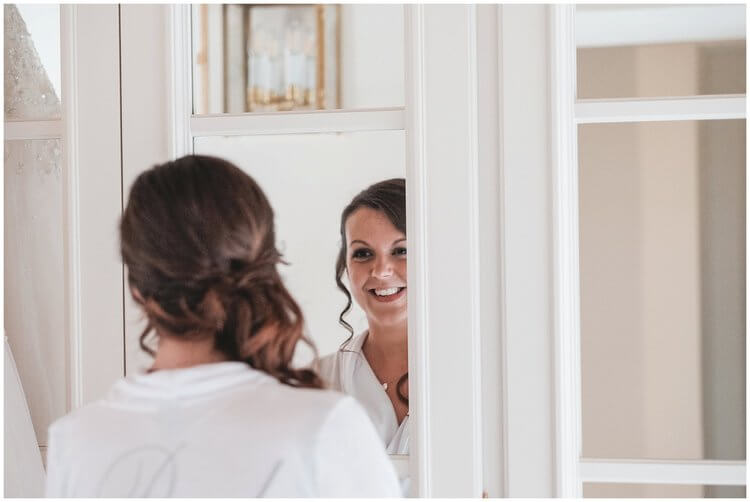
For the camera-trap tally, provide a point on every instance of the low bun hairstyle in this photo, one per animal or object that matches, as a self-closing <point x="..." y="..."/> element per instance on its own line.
<point x="198" y="239"/>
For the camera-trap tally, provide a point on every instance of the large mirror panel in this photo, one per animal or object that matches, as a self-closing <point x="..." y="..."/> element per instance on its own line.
<point x="662" y="268"/>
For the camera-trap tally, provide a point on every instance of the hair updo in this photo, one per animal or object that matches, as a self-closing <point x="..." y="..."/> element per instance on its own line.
<point x="198" y="239"/>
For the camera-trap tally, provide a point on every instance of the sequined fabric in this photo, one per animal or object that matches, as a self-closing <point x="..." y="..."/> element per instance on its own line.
<point x="29" y="94"/>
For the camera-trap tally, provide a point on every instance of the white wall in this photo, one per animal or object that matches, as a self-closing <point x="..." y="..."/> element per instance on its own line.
<point x="372" y="55"/>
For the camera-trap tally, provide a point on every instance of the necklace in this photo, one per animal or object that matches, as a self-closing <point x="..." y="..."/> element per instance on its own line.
<point x="385" y="385"/>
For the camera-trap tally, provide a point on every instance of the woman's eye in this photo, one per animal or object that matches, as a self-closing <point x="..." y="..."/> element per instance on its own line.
<point x="400" y="251"/>
<point x="361" y="254"/>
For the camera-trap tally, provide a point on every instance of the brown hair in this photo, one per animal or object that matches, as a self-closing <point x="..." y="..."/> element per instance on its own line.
<point x="198" y="239"/>
<point x="388" y="197"/>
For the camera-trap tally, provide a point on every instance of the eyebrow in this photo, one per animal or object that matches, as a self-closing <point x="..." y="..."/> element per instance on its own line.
<point x="366" y="244"/>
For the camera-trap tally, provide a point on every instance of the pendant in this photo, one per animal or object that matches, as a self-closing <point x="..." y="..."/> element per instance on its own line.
<point x="385" y="386"/>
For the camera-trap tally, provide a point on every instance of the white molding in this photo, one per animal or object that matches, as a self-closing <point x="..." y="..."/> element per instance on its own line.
<point x="92" y="199"/>
<point x="503" y="472"/>
<point x="490" y="261"/>
<point x="420" y="453"/>
<point x="247" y="124"/>
<point x="475" y="292"/>
<point x="594" y="111"/>
<point x="623" y="24"/>
<point x="442" y="200"/>
<point x="181" y="91"/>
<point x="34" y="129"/>
<point x="565" y="250"/>
<point x="698" y="472"/>
<point x="527" y="285"/>
<point x="71" y="204"/>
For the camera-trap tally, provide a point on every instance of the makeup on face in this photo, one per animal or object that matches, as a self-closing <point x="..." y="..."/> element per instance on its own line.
<point x="376" y="265"/>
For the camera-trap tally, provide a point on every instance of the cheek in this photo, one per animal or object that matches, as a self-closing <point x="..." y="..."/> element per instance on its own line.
<point x="355" y="275"/>
<point x="401" y="270"/>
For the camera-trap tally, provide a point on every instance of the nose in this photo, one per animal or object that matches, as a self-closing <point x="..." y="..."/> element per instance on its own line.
<point x="382" y="268"/>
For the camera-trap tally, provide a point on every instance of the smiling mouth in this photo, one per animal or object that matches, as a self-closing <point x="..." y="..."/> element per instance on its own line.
<point x="387" y="294"/>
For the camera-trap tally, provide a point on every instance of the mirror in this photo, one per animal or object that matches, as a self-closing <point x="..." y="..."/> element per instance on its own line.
<point x="623" y="50"/>
<point x="310" y="179"/>
<point x="271" y="58"/>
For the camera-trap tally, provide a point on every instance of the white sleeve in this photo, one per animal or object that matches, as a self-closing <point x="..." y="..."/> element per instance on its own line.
<point x="350" y="458"/>
<point x="56" y="476"/>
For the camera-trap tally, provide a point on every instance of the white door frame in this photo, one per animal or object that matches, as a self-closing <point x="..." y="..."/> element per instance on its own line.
<point x="92" y="199"/>
<point x="567" y="112"/>
<point x="443" y="212"/>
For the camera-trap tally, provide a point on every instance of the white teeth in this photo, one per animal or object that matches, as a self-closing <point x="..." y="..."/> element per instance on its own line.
<point x="386" y="292"/>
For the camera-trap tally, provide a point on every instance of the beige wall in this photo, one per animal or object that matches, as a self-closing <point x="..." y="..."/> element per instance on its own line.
<point x="662" y="273"/>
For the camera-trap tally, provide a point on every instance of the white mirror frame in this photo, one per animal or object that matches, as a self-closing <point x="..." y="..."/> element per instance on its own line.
<point x="440" y="120"/>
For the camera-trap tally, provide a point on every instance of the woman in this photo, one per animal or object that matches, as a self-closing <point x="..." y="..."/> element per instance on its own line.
<point x="372" y="366"/>
<point x="221" y="413"/>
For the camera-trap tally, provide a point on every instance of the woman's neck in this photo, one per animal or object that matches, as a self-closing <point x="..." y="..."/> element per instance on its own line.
<point x="176" y="353"/>
<point x="388" y="343"/>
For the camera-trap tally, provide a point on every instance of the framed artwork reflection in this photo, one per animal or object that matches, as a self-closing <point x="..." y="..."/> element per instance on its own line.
<point x="266" y="57"/>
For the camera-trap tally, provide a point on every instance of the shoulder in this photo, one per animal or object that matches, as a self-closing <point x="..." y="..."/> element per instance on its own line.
<point x="350" y="457"/>
<point x="331" y="362"/>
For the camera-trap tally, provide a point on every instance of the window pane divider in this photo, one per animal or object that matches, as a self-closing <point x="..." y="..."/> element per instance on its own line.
<point x="723" y="107"/>
<point x="683" y="472"/>
<point x="33" y="129"/>
<point x="248" y="124"/>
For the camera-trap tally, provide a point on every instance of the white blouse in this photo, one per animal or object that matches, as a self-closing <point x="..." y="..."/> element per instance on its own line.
<point x="347" y="370"/>
<point x="217" y="430"/>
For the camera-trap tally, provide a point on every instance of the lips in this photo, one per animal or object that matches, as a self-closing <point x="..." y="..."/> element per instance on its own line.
<point x="385" y="295"/>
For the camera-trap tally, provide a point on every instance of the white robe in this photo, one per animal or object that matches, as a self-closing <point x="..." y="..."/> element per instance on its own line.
<point x="348" y="371"/>
<point x="217" y="430"/>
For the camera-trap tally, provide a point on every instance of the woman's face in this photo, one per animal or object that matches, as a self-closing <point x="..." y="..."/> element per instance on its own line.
<point x="376" y="266"/>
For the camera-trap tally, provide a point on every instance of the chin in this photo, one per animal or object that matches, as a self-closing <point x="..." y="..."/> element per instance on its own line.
<point x="393" y="319"/>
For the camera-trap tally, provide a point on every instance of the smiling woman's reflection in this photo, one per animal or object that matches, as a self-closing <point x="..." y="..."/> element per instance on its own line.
<point x="373" y="365"/>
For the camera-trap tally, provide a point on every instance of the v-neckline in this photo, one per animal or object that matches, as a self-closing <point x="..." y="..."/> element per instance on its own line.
<point x="361" y="353"/>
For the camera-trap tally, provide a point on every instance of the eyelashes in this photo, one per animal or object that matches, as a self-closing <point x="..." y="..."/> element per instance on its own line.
<point x="363" y="254"/>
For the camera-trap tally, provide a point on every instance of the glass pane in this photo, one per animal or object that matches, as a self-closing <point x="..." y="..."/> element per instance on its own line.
<point x="309" y="179"/>
<point x="662" y="263"/>
<point x="266" y="58"/>
<point x="32" y="62"/>
<point x="627" y="490"/>
<point x="34" y="287"/>
<point x="627" y="51"/>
